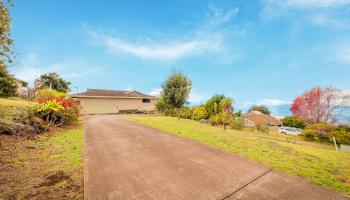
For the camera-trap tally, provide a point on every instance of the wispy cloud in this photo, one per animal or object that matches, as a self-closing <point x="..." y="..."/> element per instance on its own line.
<point x="162" y="50"/>
<point x="203" y="39"/>
<point x="156" y="92"/>
<point x="318" y="10"/>
<point x="328" y="21"/>
<point x="273" y="102"/>
<point x="265" y="102"/>
<point x="219" y="16"/>
<point x="195" y="98"/>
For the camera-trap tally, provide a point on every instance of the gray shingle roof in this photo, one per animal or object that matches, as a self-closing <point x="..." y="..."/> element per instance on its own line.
<point x="112" y="93"/>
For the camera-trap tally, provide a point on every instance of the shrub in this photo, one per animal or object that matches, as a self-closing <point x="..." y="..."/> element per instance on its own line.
<point x="310" y="135"/>
<point x="215" y="120"/>
<point x="59" y="111"/>
<point x="199" y="113"/>
<point x="186" y="113"/>
<point x="294" y="122"/>
<point x="342" y="137"/>
<point x="237" y="124"/>
<point x="324" y="133"/>
<point x="261" y="128"/>
<point x="45" y="93"/>
<point x="226" y="119"/>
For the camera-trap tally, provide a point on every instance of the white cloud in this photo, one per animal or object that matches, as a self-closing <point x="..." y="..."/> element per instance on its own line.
<point x="276" y="8"/>
<point x="156" y="92"/>
<point x="219" y="16"/>
<point x="196" y="98"/>
<point x="316" y="3"/>
<point x="326" y="21"/>
<point x="273" y="102"/>
<point x="305" y="3"/>
<point x="162" y="50"/>
<point x="265" y="102"/>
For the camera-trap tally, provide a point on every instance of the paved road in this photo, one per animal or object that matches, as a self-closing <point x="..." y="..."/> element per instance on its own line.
<point x="124" y="160"/>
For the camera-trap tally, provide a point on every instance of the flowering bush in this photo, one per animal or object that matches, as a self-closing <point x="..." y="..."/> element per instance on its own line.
<point x="57" y="110"/>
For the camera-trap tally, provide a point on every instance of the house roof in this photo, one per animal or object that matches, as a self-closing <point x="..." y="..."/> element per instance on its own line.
<point x="98" y="93"/>
<point x="261" y="119"/>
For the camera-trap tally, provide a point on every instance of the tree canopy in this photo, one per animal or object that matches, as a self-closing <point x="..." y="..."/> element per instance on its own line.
<point x="8" y="85"/>
<point x="54" y="81"/>
<point x="176" y="89"/>
<point x="261" y="108"/>
<point x="318" y="105"/>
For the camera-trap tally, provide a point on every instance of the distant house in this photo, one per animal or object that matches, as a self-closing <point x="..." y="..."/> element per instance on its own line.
<point x="22" y="88"/>
<point x="254" y="118"/>
<point x="97" y="101"/>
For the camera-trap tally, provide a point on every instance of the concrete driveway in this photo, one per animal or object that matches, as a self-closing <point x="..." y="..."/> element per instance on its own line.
<point x="124" y="160"/>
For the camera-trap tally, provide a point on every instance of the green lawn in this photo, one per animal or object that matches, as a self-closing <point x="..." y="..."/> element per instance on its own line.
<point x="70" y="145"/>
<point x="318" y="163"/>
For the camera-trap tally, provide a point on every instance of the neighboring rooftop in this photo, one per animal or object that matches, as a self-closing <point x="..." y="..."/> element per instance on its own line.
<point x="260" y="118"/>
<point x="112" y="94"/>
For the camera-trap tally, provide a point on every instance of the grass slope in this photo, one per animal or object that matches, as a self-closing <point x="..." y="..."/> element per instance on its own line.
<point x="10" y="108"/>
<point x="318" y="163"/>
<point x="49" y="167"/>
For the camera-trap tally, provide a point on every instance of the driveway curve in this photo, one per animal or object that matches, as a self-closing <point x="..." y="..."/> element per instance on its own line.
<point x="124" y="160"/>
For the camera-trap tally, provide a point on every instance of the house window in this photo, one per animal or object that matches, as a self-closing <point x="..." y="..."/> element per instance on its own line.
<point x="146" y="100"/>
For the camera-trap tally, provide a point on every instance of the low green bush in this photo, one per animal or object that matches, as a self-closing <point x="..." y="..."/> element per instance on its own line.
<point x="324" y="133"/>
<point x="215" y="120"/>
<point x="186" y="113"/>
<point x="199" y="113"/>
<point x="292" y="121"/>
<point x="237" y="124"/>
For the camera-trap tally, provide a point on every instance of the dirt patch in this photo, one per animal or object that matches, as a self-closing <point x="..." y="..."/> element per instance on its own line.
<point x="32" y="169"/>
<point x="54" y="179"/>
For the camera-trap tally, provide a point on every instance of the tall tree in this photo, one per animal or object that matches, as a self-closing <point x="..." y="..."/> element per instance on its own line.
<point x="261" y="108"/>
<point x="54" y="81"/>
<point x="318" y="105"/>
<point x="6" y="41"/>
<point x="176" y="89"/>
<point x="8" y="85"/>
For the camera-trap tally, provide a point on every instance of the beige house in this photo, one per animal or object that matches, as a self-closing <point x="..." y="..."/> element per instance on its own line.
<point x="255" y="118"/>
<point x="96" y="101"/>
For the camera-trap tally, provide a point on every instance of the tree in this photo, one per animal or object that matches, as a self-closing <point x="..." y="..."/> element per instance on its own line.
<point x="54" y="81"/>
<point x="6" y="41"/>
<point x="199" y="113"/>
<point x="292" y="121"/>
<point x="8" y="85"/>
<point x="212" y="105"/>
<point x="175" y="90"/>
<point x="261" y="108"/>
<point x="318" y="105"/>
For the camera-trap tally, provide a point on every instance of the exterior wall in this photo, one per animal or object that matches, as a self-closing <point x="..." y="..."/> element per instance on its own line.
<point x="92" y="105"/>
<point x="247" y="122"/>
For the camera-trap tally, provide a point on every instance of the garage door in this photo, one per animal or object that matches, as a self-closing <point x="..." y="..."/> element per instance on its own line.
<point x="99" y="106"/>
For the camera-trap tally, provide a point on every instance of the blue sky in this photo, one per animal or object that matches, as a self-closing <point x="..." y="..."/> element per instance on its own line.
<point x="263" y="51"/>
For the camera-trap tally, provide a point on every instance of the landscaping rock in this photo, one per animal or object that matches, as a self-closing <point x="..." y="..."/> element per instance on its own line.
<point x="204" y="121"/>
